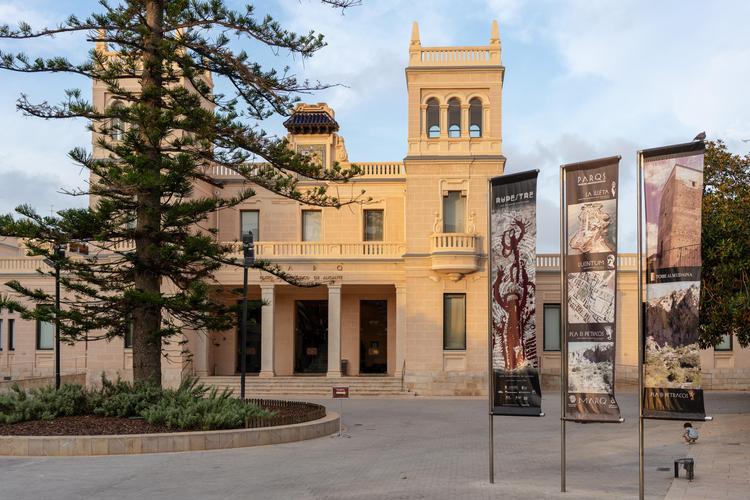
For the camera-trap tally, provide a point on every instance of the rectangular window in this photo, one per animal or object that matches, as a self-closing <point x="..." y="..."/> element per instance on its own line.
<point x="725" y="344"/>
<point x="311" y="220"/>
<point x="250" y="223"/>
<point x="454" y="210"/>
<point x="373" y="225"/>
<point x="11" y="335"/>
<point x="45" y="335"/>
<point x="454" y="321"/>
<point x="1" y="335"/>
<point x="128" y="340"/>
<point x="552" y="327"/>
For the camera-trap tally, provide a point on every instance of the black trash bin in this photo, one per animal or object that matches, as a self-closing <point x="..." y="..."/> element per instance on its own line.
<point x="344" y="367"/>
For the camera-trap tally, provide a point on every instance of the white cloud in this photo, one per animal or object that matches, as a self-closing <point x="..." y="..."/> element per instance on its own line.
<point x="585" y="79"/>
<point x="659" y="69"/>
<point x="367" y="46"/>
<point x="39" y="146"/>
<point x="40" y="191"/>
<point x="548" y="156"/>
<point x="38" y="17"/>
<point x="506" y="11"/>
<point x="14" y="12"/>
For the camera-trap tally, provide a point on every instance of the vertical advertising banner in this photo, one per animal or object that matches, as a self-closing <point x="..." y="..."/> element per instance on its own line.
<point x="514" y="382"/>
<point x="590" y="255"/>
<point x="673" y="192"/>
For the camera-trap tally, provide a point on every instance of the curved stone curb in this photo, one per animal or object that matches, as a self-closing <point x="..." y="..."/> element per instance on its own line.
<point x="134" y="444"/>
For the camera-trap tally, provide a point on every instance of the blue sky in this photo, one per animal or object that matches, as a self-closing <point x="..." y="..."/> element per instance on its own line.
<point x="583" y="79"/>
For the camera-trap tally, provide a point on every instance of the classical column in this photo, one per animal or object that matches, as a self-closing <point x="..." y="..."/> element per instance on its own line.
<point x="201" y="354"/>
<point x="443" y="120"/>
<point x="334" y="330"/>
<point x="400" y="329"/>
<point x="266" y="330"/>
<point x="465" y="121"/>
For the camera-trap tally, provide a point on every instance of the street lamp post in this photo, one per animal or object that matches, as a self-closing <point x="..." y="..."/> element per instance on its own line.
<point x="248" y="254"/>
<point x="59" y="254"/>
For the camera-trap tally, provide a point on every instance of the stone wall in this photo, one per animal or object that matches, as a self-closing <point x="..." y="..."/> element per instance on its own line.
<point x="33" y="383"/>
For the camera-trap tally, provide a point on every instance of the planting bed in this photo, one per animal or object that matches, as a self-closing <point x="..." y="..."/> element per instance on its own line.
<point x="284" y="413"/>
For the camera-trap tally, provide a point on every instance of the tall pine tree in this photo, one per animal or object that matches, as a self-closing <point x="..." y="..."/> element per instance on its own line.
<point x="150" y="262"/>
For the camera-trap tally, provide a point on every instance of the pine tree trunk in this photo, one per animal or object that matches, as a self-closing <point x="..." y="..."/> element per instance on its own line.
<point x="147" y="316"/>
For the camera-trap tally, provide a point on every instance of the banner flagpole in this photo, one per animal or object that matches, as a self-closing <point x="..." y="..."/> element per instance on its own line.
<point x="492" y="450"/>
<point x="641" y="451"/>
<point x="563" y="340"/>
<point x="489" y="338"/>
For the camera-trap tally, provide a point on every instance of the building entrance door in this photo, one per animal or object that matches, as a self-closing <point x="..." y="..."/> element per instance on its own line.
<point x="252" y="351"/>
<point x="373" y="336"/>
<point x="311" y="336"/>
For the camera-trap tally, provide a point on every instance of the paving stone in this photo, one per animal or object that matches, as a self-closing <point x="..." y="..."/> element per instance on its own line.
<point x="418" y="448"/>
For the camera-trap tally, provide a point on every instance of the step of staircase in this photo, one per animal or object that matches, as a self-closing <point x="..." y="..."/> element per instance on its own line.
<point x="310" y="386"/>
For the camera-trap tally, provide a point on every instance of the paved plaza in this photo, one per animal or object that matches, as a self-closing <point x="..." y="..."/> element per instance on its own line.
<point x="419" y="449"/>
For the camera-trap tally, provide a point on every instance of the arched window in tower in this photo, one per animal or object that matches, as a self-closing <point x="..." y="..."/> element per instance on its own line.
<point x="454" y="117"/>
<point x="433" y="118"/>
<point x="475" y="117"/>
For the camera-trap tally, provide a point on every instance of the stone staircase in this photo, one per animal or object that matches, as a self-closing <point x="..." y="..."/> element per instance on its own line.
<point x="385" y="387"/>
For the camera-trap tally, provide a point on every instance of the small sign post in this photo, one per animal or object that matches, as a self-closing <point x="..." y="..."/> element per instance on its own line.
<point x="340" y="393"/>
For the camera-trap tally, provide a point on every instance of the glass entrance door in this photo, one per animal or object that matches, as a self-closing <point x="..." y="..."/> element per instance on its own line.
<point x="311" y="336"/>
<point x="373" y="336"/>
<point x="252" y="352"/>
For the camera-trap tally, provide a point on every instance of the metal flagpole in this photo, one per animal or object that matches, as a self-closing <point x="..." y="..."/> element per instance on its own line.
<point x="492" y="450"/>
<point x="563" y="336"/>
<point x="489" y="331"/>
<point x="59" y="253"/>
<point x="640" y="333"/>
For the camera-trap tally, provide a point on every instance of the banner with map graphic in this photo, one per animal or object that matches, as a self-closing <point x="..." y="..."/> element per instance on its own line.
<point x="673" y="192"/>
<point x="514" y="383"/>
<point x="590" y="260"/>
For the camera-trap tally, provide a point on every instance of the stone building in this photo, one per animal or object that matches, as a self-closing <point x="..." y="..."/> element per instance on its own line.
<point x="680" y="215"/>
<point x="403" y="296"/>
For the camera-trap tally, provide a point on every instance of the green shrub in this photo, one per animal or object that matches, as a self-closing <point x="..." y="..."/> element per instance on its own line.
<point x="123" y="399"/>
<point x="43" y="404"/>
<point x="190" y="407"/>
<point x="193" y="407"/>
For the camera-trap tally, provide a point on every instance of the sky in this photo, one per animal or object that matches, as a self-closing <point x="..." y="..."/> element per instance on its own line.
<point x="583" y="80"/>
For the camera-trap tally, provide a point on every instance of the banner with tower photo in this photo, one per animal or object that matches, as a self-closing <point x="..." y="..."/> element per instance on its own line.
<point x="514" y="384"/>
<point x="673" y="192"/>
<point x="590" y="270"/>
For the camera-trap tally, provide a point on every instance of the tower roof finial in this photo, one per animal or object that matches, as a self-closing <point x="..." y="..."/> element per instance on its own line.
<point x="415" y="34"/>
<point x="101" y="45"/>
<point x="495" y="33"/>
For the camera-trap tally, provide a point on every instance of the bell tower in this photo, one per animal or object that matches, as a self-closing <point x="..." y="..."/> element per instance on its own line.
<point x="455" y="98"/>
<point x="454" y="148"/>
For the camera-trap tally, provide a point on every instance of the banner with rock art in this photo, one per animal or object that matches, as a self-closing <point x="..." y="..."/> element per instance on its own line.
<point x="673" y="192"/>
<point x="590" y="270"/>
<point x="514" y="383"/>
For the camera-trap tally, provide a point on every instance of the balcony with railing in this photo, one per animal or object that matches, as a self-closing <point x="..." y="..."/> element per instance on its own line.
<point x="455" y="254"/>
<point x="22" y="265"/>
<point x="318" y="250"/>
<point x="456" y="56"/>
<point x="370" y="171"/>
<point x="382" y="170"/>
<point x="483" y="55"/>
